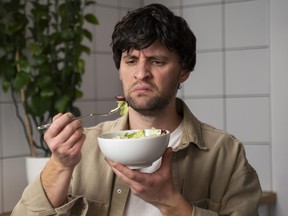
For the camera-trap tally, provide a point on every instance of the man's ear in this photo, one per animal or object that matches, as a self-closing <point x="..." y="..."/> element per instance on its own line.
<point x="184" y="75"/>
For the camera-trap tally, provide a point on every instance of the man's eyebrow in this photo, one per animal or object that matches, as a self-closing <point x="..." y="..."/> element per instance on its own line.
<point x="127" y="55"/>
<point x="154" y="56"/>
<point x="163" y="57"/>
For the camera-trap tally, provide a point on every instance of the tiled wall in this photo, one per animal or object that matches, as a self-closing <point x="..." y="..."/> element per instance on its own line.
<point x="231" y="79"/>
<point x="230" y="87"/>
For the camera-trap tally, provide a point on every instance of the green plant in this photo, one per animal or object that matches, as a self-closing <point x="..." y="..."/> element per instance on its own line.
<point x="41" y="64"/>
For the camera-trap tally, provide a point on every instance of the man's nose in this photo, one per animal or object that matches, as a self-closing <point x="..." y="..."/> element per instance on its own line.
<point x="143" y="71"/>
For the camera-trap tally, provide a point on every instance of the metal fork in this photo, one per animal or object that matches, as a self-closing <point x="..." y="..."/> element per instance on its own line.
<point x="41" y="127"/>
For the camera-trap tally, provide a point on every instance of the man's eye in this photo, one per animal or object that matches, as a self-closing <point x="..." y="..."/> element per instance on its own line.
<point x="130" y="61"/>
<point x="157" y="62"/>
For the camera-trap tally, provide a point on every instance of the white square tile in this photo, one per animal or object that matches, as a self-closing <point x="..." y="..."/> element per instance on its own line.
<point x="107" y="17"/>
<point x="14" y="181"/>
<point x="249" y="118"/>
<point x="247" y="72"/>
<point x="106" y="81"/>
<point x="259" y="156"/>
<point x="206" y="23"/>
<point x="207" y="78"/>
<point x="209" y="111"/>
<point x="13" y="139"/>
<point x="246" y="23"/>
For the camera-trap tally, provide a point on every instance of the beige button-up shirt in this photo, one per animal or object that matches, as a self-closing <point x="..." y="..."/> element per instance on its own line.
<point x="210" y="170"/>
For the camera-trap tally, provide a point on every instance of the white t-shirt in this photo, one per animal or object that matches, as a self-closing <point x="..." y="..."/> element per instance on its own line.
<point x="137" y="206"/>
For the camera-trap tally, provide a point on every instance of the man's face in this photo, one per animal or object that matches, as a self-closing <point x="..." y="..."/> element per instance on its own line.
<point x="150" y="78"/>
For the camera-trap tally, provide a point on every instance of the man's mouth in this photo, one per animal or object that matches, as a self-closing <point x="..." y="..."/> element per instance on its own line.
<point x="141" y="89"/>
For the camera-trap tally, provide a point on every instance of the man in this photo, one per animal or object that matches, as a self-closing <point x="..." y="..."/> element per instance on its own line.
<point x="203" y="172"/>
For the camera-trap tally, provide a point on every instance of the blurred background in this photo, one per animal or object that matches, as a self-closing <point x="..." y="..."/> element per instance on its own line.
<point x="239" y="85"/>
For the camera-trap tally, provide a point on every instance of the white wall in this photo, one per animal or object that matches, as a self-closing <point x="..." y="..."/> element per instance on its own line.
<point x="239" y="84"/>
<point x="279" y="102"/>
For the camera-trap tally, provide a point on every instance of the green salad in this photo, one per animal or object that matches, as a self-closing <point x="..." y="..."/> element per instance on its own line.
<point x="141" y="133"/>
<point x="122" y="103"/>
<point x="136" y="134"/>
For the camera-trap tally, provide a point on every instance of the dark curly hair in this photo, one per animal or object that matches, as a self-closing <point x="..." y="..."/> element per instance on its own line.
<point x="141" y="27"/>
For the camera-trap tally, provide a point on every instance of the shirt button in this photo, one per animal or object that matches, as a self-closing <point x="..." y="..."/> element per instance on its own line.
<point x="119" y="191"/>
<point x="84" y="206"/>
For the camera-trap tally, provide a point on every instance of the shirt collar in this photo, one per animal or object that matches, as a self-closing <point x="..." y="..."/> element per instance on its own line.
<point x="192" y="133"/>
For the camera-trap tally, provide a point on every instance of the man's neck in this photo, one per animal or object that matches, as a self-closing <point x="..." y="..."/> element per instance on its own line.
<point x="169" y="119"/>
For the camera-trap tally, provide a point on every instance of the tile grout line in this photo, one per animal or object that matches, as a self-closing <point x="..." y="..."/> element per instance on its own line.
<point x="270" y="100"/>
<point x="224" y="66"/>
<point x="205" y="4"/>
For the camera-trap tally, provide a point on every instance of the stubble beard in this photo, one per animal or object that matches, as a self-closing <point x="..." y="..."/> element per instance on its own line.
<point x="150" y="106"/>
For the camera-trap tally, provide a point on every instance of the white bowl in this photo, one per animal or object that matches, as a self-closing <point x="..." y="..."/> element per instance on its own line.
<point x="135" y="153"/>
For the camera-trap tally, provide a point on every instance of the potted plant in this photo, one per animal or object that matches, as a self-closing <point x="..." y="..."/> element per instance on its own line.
<point x="41" y="64"/>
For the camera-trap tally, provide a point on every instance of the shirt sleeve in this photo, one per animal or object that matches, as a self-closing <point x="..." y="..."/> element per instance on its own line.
<point x="242" y="198"/>
<point x="242" y="195"/>
<point x="35" y="202"/>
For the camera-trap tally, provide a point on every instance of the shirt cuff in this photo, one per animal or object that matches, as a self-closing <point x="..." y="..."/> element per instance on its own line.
<point x="35" y="199"/>
<point x="77" y="205"/>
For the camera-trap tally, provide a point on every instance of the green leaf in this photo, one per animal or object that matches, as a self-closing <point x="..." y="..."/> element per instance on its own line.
<point x="14" y="28"/>
<point x="7" y="70"/>
<point x="20" y="81"/>
<point x="91" y="19"/>
<point x="62" y="10"/>
<point x="23" y="65"/>
<point x="85" y="49"/>
<point x="79" y="94"/>
<point x="40" y="11"/>
<point x="81" y="65"/>
<point x="39" y="105"/>
<point x="47" y="93"/>
<point x="87" y="34"/>
<point x="44" y="80"/>
<point x="62" y="103"/>
<point x="35" y="48"/>
<point x="67" y="34"/>
<point x="38" y="60"/>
